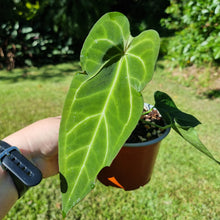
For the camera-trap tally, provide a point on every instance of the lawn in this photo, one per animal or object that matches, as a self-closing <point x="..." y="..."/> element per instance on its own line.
<point x="185" y="184"/>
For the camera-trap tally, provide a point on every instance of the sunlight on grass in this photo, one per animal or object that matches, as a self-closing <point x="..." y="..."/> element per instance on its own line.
<point x="185" y="184"/>
<point x="45" y="73"/>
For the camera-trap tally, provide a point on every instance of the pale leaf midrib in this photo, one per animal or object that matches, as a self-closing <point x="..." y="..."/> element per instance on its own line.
<point x="97" y="127"/>
<point x="130" y="94"/>
<point x="78" y="89"/>
<point x="107" y="140"/>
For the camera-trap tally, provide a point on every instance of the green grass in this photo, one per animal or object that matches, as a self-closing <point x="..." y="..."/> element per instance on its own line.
<point x="185" y="184"/>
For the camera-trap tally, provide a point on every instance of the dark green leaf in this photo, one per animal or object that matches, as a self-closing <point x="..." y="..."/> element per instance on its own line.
<point x="191" y="136"/>
<point x="171" y="113"/>
<point x="181" y="122"/>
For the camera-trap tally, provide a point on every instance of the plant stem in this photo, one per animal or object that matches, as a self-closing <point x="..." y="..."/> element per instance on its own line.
<point x="156" y="125"/>
<point x="145" y="113"/>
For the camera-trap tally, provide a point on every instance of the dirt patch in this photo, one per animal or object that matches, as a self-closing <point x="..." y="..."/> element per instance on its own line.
<point x="206" y="80"/>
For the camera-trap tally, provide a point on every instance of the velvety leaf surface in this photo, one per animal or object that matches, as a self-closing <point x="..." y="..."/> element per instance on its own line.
<point x="181" y="122"/>
<point x="104" y="103"/>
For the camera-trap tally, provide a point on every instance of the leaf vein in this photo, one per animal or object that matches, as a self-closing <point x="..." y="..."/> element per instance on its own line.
<point x="97" y="128"/>
<point x="137" y="57"/>
<point x="81" y="122"/>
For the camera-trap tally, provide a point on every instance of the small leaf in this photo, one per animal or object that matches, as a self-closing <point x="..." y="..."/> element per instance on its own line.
<point x="26" y="30"/>
<point x="217" y="9"/>
<point x="191" y="136"/>
<point x="171" y="113"/>
<point x="216" y="53"/>
<point x="181" y="122"/>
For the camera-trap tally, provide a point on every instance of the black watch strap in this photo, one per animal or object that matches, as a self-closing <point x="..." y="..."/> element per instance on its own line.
<point x="23" y="173"/>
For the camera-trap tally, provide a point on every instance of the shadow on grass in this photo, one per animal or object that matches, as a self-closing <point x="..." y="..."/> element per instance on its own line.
<point x="212" y="94"/>
<point x="44" y="73"/>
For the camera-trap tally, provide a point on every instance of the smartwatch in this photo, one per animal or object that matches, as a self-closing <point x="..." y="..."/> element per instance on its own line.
<point x="23" y="173"/>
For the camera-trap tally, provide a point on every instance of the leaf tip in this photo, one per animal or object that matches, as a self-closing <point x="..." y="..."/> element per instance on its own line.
<point x="63" y="214"/>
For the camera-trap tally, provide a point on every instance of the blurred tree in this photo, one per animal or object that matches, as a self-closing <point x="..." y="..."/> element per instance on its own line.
<point x="13" y="30"/>
<point x="197" y="26"/>
<point x="48" y="31"/>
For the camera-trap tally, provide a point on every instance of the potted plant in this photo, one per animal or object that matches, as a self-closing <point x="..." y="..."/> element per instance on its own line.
<point x="133" y="165"/>
<point x="104" y="104"/>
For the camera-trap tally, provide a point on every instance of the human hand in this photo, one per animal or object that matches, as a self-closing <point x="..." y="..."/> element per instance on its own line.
<point x="39" y="143"/>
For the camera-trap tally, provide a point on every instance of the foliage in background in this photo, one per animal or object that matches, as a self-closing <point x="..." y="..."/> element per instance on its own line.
<point x="37" y="32"/>
<point x="197" y="39"/>
<point x="25" y="39"/>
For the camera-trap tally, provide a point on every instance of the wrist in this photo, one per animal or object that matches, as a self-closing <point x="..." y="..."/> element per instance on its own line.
<point x="7" y="185"/>
<point x="8" y="193"/>
<point x="22" y="172"/>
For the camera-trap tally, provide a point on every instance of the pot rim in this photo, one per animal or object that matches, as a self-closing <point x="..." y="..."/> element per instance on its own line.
<point x="147" y="143"/>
